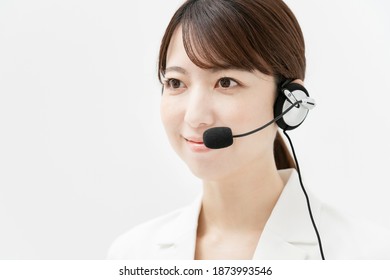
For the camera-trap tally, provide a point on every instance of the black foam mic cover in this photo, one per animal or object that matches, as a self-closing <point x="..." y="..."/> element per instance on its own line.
<point x="218" y="137"/>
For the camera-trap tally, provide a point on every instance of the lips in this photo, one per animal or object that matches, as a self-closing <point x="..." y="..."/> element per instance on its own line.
<point x="194" y="141"/>
<point x="196" y="144"/>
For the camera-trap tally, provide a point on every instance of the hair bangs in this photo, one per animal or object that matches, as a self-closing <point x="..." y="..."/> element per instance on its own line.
<point x="213" y="38"/>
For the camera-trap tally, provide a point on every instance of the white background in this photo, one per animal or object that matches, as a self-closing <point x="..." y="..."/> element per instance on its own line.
<point x="83" y="155"/>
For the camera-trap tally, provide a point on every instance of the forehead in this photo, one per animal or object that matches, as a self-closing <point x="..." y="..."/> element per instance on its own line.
<point x="176" y="50"/>
<point x="177" y="57"/>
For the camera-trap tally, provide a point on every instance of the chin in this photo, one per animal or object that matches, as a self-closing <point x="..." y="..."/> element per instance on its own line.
<point x="210" y="171"/>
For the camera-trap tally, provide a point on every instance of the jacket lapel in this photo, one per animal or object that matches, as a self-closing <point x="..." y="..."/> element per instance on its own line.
<point x="177" y="239"/>
<point x="289" y="233"/>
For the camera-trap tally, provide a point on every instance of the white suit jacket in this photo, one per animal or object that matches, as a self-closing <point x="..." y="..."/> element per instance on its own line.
<point x="288" y="233"/>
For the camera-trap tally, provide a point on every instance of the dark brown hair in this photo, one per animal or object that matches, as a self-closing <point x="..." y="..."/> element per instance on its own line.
<point x="261" y="35"/>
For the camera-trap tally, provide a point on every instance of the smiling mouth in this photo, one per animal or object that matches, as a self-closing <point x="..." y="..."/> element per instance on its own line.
<point x="197" y="145"/>
<point x="195" y="142"/>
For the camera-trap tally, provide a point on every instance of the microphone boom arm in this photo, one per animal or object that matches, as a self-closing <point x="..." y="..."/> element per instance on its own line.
<point x="270" y="122"/>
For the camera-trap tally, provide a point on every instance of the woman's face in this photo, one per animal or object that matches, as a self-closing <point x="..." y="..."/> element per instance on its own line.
<point x="196" y="99"/>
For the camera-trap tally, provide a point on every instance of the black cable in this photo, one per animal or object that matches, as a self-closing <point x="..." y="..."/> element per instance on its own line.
<point x="270" y="122"/>
<point x="307" y="197"/>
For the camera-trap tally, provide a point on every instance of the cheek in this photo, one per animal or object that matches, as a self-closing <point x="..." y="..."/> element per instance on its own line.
<point x="256" y="114"/>
<point x="250" y="115"/>
<point x="166" y="114"/>
<point x="171" y="118"/>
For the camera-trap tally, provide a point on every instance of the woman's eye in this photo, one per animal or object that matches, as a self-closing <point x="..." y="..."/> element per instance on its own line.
<point x="174" y="83"/>
<point x="227" y="83"/>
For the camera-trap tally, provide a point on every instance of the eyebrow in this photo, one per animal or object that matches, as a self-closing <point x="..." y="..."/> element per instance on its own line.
<point x="175" y="69"/>
<point x="213" y="69"/>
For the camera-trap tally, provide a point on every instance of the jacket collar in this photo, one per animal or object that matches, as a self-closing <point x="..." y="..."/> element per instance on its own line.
<point x="288" y="233"/>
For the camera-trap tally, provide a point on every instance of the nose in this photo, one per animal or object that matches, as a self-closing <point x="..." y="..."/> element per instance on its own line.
<point x="199" y="109"/>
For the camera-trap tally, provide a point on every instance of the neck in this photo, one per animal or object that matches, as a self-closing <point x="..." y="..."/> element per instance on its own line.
<point x="242" y="201"/>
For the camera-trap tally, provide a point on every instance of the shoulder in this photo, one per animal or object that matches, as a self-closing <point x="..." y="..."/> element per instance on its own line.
<point x="143" y="241"/>
<point x="349" y="237"/>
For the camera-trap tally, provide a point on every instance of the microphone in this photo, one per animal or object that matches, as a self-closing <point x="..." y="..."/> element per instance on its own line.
<point x="218" y="137"/>
<point x="222" y="137"/>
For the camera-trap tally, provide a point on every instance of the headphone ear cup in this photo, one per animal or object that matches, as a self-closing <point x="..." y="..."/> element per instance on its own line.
<point x="295" y="116"/>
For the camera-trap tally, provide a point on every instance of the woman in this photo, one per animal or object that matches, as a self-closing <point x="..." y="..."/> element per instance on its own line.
<point x="222" y="64"/>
